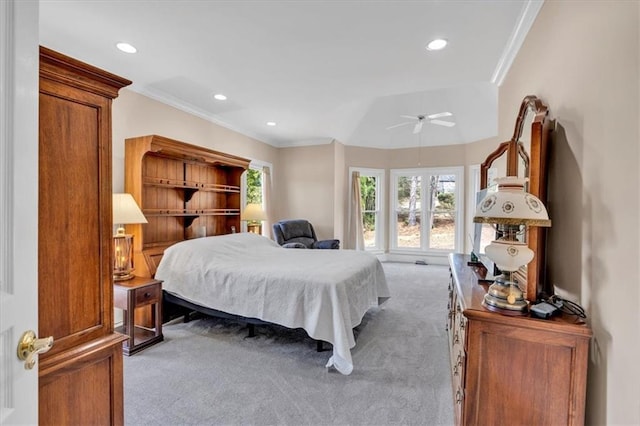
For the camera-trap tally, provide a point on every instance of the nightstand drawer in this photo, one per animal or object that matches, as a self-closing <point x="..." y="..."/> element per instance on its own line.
<point x="147" y="295"/>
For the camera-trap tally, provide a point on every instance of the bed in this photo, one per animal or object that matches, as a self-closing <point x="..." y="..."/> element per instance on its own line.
<point x="325" y="292"/>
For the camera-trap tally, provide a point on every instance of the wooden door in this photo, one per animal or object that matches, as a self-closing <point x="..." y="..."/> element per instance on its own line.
<point x="75" y="290"/>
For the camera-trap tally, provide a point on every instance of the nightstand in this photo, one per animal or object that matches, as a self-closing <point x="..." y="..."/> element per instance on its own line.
<point x="132" y="294"/>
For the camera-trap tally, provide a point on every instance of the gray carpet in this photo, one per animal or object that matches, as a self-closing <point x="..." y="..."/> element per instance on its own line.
<point x="207" y="372"/>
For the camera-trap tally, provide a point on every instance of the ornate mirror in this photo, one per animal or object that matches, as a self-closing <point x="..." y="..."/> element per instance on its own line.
<point x="525" y="155"/>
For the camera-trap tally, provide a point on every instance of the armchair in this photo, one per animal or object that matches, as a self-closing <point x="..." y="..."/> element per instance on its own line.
<point x="299" y="233"/>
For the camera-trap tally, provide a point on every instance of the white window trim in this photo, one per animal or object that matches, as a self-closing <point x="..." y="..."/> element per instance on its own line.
<point x="474" y="187"/>
<point x="253" y="165"/>
<point x="380" y="174"/>
<point x="458" y="171"/>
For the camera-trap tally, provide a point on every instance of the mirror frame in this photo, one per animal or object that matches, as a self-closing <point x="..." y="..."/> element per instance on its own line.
<point x="535" y="164"/>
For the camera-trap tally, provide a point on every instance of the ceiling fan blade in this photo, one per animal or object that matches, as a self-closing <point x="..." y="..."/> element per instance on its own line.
<point x="443" y="123"/>
<point x="398" y="125"/>
<point x="413" y="117"/>
<point x="439" y="115"/>
<point x="418" y="127"/>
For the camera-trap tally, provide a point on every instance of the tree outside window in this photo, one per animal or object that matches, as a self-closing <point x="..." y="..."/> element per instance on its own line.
<point x="368" y="192"/>
<point x="254" y="187"/>
<point x="371" y="196"/>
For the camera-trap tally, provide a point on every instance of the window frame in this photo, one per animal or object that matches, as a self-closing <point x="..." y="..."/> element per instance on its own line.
<point x="253" y="165"/>
<point x="425" y="173"/>
<point x="474" y="187"/>
<point x="380" y="175"/>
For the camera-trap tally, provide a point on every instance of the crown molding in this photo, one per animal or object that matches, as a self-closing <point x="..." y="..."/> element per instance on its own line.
<point x="529" y="13"/>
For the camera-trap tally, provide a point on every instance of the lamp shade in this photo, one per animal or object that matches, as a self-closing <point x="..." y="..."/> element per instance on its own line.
<point x="511" y="205"/>
<point x="253" y="212"/>
<point x="126" y="211"/>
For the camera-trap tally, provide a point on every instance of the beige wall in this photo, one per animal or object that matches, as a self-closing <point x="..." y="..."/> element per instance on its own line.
<point x="341" y="180"/>
<point x="581" y="58"/>
<point x="306" y="187"/>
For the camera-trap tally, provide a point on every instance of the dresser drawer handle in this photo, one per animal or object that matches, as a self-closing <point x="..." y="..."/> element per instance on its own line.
<point x="147" y="295"/>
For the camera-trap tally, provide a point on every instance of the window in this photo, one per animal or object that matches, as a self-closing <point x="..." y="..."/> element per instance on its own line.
<point x="426" y="210"/>
<point x="371" y="193"/>
<point x="253" y="186"/>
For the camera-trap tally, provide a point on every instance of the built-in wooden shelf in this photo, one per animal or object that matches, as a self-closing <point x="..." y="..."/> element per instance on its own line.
<point x="180" y="188"/>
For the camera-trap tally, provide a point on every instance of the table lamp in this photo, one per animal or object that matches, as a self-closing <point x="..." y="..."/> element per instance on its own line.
<point x="253" y="214"/>
<point x="511" y="209"/>
<point x="125" y="211"/>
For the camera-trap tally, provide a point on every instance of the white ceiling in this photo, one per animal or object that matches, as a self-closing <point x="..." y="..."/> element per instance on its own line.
<point x="322" y="70"/>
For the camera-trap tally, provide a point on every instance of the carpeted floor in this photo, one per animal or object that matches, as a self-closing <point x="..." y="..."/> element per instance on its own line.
<point x="207" y="372"/>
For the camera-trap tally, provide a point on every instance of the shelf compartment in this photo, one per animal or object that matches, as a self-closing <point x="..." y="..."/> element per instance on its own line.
<point x="203" y="212"/>
<point x="185" y="184"/>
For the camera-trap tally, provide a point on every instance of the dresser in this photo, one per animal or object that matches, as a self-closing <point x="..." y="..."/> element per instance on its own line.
<point x="512" y="370"/>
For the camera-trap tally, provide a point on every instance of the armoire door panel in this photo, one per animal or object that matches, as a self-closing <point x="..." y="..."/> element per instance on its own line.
<point x="79" y="387"/>
<point x="72" y="269"/>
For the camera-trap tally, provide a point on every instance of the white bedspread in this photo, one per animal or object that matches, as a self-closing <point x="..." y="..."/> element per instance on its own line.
<point x="325" y="292"/>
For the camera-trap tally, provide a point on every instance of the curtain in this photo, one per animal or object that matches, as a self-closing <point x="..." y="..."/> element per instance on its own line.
<point x="356" y="231"/>
<point x="266" y="177"/>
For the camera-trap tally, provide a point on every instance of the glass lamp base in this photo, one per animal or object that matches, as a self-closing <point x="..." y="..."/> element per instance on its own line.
<point x="254" y="228"/>
<point x="123" y="277"/>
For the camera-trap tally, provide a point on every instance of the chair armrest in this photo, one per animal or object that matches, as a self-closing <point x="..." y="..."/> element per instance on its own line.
<point x="326" y="244"/>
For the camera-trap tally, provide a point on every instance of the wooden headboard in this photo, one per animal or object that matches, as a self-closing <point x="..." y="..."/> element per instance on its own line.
<point x="152" y="258"/>
<point x="183" y="190"/>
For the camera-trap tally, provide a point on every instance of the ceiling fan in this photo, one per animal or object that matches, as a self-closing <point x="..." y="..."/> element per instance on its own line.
<point x="420" y="119"/>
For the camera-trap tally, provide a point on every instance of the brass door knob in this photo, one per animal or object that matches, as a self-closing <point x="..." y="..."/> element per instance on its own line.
<point x="29" y="346"/>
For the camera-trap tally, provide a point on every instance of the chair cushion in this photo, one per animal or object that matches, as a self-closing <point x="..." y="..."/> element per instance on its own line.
<point x="294" y="245"/>
<point x="326" y="244"/>
<point x="296" y="229"/>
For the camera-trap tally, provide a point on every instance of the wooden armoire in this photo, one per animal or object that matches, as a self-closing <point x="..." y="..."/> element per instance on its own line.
<point x="80" y="378"/>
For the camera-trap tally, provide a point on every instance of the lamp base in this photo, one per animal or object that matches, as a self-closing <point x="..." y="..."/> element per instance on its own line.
<point x="505" y="297"/>
<point x="254" y="228"/>
<point x="123" y="277"/>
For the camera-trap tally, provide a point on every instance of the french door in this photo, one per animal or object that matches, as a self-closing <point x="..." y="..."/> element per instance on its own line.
<point x="427" y="209"/>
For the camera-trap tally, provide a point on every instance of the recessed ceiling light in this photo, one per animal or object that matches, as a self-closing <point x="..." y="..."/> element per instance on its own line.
<point x="220" y="97"/>
<point x="271" y="123"/>
<point x="126" y="47"/>
<point x="437" y="44"/>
